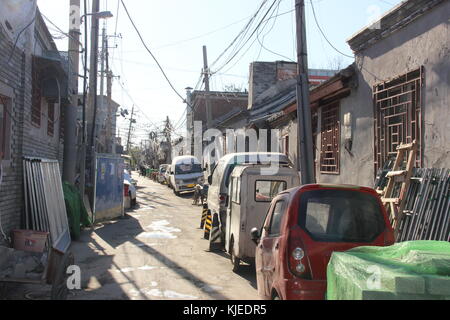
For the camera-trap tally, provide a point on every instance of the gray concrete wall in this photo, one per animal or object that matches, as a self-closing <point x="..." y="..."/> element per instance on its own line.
<point x="424" y="42"/>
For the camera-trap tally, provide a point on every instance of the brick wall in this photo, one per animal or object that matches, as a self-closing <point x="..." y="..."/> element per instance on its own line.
<point x="26" y="139"/>
<point x="12" y="83"/>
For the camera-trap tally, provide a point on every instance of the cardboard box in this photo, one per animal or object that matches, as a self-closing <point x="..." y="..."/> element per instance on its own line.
<point x="30" y="241"/>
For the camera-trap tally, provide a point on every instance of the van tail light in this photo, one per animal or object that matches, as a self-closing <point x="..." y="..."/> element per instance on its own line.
<point x="223" y="199"/>
<point x="126" y="189"/>
<point x="298" y="261"/>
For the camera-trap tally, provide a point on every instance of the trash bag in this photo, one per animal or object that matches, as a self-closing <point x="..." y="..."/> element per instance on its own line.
<point x="408" y="270"/>
<point x="76" y="212"/>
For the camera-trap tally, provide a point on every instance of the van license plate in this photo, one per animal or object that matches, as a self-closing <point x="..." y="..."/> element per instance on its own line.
<point x="191" y="185"/>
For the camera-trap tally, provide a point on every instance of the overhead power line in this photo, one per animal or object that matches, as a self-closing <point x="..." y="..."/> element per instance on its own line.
<point x="150" y="52"/>
<point x="248" y="38"/>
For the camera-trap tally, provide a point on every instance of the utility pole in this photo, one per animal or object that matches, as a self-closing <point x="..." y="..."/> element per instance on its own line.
<point x="102" y="76"/>
<point x="190" y="120"/>
<point x="129" y="130"/>
<point x="70" y="111"/>
<point x="168" y="135"/>
<point x="93" y="95"/>
<point x="305" y="161"/>
<point x="83" y="137"/>
<point x="206" y="80"/>
<point x="93" y="71"/>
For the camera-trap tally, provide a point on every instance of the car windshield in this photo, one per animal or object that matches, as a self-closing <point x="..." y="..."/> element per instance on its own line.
<point x="187" y="168"/>
<point x="334" y="215"/>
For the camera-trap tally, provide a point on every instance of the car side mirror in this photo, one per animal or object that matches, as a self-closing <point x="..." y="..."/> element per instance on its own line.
<point x="204" y="169"/>
<point x="210" y="180"/>
<point x="255" y="235"/>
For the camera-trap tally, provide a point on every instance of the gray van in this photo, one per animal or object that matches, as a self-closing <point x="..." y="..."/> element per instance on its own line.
<point x="220" y="178"/>
<point x="250" y="195"/>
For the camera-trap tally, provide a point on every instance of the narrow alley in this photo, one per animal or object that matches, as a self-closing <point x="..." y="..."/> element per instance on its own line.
<point x="157" y="252"/>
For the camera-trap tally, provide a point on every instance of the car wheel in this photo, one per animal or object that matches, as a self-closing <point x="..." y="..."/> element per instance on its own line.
<point x="235" y="261"/>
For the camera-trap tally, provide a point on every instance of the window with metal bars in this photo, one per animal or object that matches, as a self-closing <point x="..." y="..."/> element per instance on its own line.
<point x="51" y="118"/>
<point x="398" y="116"/>
<point x="330" y="139"/>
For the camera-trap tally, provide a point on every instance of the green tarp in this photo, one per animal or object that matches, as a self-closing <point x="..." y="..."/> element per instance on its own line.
<point x="76" y="212"/>
<point x="408" y="270"/>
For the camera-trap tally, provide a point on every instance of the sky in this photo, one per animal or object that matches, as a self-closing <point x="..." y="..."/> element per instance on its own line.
<point x="176" y="30"/>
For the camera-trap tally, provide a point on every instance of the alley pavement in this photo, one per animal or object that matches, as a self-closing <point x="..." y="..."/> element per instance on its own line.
<point x="155" y="252"/>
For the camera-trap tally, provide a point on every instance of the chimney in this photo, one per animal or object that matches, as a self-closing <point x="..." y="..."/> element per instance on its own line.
<point x="263" y="75"/>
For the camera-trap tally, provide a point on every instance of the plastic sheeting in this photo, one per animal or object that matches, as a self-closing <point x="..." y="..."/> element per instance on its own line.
<point x="408" y="270"/>
<point x="15" y="15"/>
<point x="76" y="212"/>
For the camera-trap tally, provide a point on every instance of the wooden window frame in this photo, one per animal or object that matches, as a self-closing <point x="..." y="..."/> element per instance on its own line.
<point x="330" y="139"/>
<point x="398" y="109"/>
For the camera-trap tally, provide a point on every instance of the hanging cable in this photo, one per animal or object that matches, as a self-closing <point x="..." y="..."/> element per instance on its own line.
<point x="150" y="52"/>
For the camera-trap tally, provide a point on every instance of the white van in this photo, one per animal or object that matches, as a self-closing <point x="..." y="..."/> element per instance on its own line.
<point x="220" y="178"/>
<point x="250" y="195"/>
<point x="185" y="173"/>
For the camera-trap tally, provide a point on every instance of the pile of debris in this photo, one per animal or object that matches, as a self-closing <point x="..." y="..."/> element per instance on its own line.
<point x="15" y="264"/>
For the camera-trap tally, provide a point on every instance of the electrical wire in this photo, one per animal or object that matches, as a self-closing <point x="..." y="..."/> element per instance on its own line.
<point x="18" y="37"/>
<point x="246" y="27"/>
<point x="337" y="50"/>
<point x="248" y="39"/>
<point x="323" y="34"/>
<point x="150" y="52"/>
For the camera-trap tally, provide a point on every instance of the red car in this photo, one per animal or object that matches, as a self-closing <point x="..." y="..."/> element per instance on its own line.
<point x="304" y="226"/>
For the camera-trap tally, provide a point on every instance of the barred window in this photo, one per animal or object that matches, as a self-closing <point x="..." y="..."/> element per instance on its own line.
<point x="398" y="115"/>
<point x="330" y="139"/>
<point x="51" y="118"/>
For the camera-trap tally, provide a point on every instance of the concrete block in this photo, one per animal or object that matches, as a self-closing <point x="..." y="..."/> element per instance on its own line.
<point x="438" y="286"/>
<point x="411" y="285"/>
<point x="377" y="295"/>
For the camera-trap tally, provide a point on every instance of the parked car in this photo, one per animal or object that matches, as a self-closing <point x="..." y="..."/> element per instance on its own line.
<point x="129" y="190"/>
<point x="161" y="173"/>
<point x="220" y="178"/>
<point x="304" y="226"/>
<point x="250" y="194"/>
<point x="185" y="173"/>
<point x="167" y="175"/>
